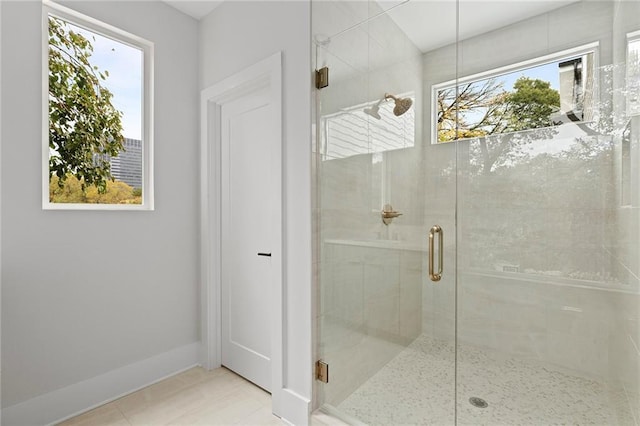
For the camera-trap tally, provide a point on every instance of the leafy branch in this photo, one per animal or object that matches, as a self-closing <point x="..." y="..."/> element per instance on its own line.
<point x="85" y="129"/>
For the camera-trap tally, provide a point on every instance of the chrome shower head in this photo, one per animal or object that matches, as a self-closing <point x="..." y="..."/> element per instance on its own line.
<point x="402" y="104"/>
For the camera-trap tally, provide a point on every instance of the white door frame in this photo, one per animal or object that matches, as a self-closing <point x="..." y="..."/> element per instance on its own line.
<point x="264" y="74"/>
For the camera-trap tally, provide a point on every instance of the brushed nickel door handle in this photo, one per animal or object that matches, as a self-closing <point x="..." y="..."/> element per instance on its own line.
<point x="436" y="229"/>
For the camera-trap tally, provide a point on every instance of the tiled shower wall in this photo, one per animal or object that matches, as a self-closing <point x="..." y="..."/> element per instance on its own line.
<point x="625" y="361"/>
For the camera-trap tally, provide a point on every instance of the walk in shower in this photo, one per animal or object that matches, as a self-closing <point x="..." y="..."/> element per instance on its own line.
<point x="477" y="204"/>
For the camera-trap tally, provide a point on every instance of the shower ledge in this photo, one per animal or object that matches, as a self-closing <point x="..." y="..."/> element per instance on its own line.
<point x="383" y="244"/>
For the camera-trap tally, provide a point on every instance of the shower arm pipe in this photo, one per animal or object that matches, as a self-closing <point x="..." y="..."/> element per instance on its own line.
<point x="387" y="96"/>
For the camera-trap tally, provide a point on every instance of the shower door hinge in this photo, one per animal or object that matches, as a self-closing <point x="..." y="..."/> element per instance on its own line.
<point x="322" y="78"/>
<point x="322" y="371"/>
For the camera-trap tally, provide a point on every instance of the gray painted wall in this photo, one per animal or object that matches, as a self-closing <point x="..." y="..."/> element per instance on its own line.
<point x="86" y="292"/>
<point x="234" y="36"/>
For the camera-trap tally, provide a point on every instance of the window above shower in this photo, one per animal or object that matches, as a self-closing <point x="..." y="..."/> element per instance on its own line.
<point x="633" y="73"/>
<point x="539" y="93"/>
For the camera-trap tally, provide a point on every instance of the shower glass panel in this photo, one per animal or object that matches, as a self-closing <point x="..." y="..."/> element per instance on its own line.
<point x="547" y="324"/>
<point x="514" y="127"/>
<point x="381" y="319"/>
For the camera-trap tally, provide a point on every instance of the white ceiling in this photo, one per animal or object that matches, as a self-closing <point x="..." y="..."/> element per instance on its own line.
<point x="430" y="24"/>
<point x="198" y="8"/>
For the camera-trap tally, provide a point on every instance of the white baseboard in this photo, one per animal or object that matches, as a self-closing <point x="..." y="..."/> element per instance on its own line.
<point x="292" y="408"/>
<point x="72" y="400"/>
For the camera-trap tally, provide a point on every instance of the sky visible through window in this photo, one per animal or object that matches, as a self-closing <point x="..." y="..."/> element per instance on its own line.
<point x="547" y="72"/>
<point x="489" y="105"/>
<point x="124" y="64"/>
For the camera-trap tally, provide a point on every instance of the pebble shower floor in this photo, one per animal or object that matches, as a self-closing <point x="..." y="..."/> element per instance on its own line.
<point x="416" y="388"/>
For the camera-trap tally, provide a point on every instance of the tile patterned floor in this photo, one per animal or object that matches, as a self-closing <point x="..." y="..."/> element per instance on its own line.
<point x="194" y="397"/>
<point x="417" y="388"/>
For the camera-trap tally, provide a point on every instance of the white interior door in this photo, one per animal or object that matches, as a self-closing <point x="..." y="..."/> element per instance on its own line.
<point x="248" y="145"/>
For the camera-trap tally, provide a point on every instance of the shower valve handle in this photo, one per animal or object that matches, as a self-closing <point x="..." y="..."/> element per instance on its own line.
<point x="388" y="214"/>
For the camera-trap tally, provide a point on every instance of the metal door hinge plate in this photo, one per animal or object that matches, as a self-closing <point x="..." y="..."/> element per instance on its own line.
<point x="322" y="371"/>
<point x="322" y="78"/>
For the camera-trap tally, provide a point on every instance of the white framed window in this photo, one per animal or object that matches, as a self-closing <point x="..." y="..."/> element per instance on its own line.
<point x="499" y="100"/>
<point x="633" y="73"/>
<point x="97" y="110"/>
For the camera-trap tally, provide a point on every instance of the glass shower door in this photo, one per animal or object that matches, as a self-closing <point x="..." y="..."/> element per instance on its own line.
<point x="386" y="330"/>
<point x="514" y="127"/>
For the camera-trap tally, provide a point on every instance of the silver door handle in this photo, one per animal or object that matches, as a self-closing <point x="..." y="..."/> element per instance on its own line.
<point x="435" y="229"/>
